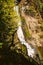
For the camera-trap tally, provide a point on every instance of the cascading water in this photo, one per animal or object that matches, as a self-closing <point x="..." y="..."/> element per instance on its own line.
<point x="30" y="50"/>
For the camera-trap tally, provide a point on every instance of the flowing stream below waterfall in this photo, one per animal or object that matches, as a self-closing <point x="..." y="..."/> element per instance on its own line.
<point x="21" y="37"/>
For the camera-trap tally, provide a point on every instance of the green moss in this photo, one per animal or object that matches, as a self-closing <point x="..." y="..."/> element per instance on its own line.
<point x="24" y="50"/>
<point x="27" y="34"/>
<point x="25" y="30"/>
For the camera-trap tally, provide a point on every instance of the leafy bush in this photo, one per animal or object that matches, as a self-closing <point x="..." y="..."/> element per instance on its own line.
<point x="8" y="21"/>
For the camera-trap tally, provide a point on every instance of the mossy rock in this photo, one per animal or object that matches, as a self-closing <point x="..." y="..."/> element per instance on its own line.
<point x="26" y="32"/>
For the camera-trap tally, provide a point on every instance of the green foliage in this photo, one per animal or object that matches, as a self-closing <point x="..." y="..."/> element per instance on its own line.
<point x="8" y="20"/>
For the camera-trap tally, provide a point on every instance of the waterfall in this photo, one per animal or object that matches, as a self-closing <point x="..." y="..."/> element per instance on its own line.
<point x="20" y="34"/>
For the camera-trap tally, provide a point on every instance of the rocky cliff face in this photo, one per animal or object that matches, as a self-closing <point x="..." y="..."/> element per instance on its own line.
<point x="31" y="24"/>
<point x="31" y="19"/>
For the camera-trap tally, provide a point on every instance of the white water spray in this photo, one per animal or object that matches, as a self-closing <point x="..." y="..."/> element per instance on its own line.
<point x="20" y="34"/>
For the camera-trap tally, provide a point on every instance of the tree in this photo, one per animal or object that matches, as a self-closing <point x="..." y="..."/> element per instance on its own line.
<point x="8" y="21"/>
